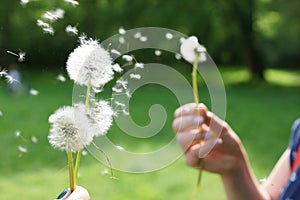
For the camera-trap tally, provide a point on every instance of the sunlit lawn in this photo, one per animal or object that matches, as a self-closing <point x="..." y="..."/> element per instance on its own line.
<point x="261" y="113"/>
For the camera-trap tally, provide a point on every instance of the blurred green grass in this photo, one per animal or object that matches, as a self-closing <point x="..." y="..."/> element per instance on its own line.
<point x="261" y="113"/>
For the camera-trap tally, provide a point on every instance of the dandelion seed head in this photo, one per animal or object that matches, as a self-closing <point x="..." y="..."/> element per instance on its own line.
<point x="157" y="52"/>
<point x="90" y="63"/>
<point x="70" y="128"/>
<point x="33" y="92"/>
<point x="190" y="49"/>
<point x="71" y="30"/>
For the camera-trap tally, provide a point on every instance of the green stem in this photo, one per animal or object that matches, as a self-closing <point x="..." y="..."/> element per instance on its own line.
<point x="71" y="171"/>
<point x="79" y="153"/>
<point x="196" y="99"/>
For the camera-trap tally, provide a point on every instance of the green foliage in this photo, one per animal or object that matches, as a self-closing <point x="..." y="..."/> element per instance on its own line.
<point x="223" y="27"/>
<point x="261" y="113"/>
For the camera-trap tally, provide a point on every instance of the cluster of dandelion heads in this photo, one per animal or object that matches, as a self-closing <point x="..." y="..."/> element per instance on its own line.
<point x="70" y="128"/>
<point x="90" y="64"/>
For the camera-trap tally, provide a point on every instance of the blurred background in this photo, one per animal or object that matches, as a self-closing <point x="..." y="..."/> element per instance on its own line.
<point x="255" y="44"/>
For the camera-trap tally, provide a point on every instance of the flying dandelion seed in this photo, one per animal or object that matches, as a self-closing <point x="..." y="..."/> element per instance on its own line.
<point x="125" y="112"/>
<point x="54" y="15"/>
<point x="18" y="134"/>
<point x="122" y="40"/>
<point x="22" y="149"/>
<point x="127" y="58"/>
<point x="139" y="65"/>
<point x="24" y="2"/>
<point x="72" y="30"/>
<point x="178" y="56"/>
<point x="169" y="36"/>
<point x="34" y="139"/>
<point x="21" y="55"/>
<point x="72" y="2"/>
<point x="42" y="24"/>
<point x="105" y="172"/>
<point x="84" y="153"/>
<point x="127" y="93"/>
<point x="1" y="113"/>
<point x="97" y="90"/>
<point x="120" y="148"/>
<point x="61" y="78"/>
<point x="114" y="51"/>
<point x="157" y="52"/>
<point x="117" y="68"/>
<point x="120" y="104"/>
<point x="49" y="30"/>
<point x="117" y="90"/>
<point x="122" y="31"/>
<point x="143" y="38"/>
<point x="3" y="72"/>
<point x="135" y="76"/>
<point x="33" y="92"/>
<point x="122" y="83"/>
<point x="137" y="35"/>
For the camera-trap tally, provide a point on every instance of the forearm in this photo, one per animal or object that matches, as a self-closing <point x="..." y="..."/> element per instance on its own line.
<point x="240" y="182"/>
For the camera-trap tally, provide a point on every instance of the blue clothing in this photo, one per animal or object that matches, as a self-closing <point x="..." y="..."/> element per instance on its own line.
<point x="291" y="191"/>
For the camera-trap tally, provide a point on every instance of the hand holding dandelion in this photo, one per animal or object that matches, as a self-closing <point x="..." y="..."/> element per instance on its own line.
<point x="74" y="127"/>
<point x="194" y="53"/>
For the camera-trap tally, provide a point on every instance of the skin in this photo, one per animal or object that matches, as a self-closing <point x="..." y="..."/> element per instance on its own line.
<point x="223" y="153"/>
<point x="79" y="193"/>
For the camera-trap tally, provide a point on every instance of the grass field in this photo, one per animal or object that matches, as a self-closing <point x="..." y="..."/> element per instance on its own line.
<point x="261" y="114"/>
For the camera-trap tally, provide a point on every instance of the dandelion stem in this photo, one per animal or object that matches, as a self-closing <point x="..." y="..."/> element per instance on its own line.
<point x="79" y="153"/>
<point x="71" y="171"/>
<point x="196" y="99"/>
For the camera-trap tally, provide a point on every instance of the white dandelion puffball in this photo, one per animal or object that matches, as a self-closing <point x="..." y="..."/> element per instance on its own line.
<point x="190" y="48"/>
<point x="70" y="128"/>
<point x="90" y="64"/>
<point x="101" y="115"/>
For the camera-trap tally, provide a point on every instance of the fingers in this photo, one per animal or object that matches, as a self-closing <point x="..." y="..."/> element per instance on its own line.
<point x="79" y="194"/>
<point x="190" y="109"/>
<point x="188" y="139"/>
<point x="183" y="123"/>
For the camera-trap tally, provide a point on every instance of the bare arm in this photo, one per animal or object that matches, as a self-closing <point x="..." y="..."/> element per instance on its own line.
<point x="227" y="158"/>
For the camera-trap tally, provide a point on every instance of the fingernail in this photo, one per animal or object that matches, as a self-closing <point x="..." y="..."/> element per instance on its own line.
<point x="198" y="120"/>
<point x="63" y="194"/>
